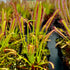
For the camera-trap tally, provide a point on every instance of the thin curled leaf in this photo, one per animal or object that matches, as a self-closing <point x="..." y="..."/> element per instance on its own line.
<point x="51" y="64"/>
<point x="56" y="30"/>
<point x="58" y="43"/>
<point x="63" y="46"/>
<point x="9" y="50"/>
<point x="66" y="9"/>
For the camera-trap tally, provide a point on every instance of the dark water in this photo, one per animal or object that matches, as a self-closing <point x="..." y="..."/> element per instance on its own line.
<point x="54" y="53"/>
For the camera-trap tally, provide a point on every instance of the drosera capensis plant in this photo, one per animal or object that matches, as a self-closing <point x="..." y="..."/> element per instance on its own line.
<point x="33" y="43"/>
<point x="32" y="53"/>
<point x="64" y="43"/>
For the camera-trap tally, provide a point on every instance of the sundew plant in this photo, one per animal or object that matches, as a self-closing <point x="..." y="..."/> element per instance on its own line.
<point x="25" y="51"/>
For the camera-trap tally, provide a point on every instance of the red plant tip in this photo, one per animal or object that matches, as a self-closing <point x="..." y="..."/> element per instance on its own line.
<point x="53" y="27"/>
<point x="60" y="21"/>
<point x="29" y="23"/>
<point x="5" y="51"/>
<point x="58" y="9"/>
<point x="53" y="30"/>
<point x="4" y="33"/>
<point x="11" y="2"/>
<point x="63" y="1"/>
<point x="30" y="48"/>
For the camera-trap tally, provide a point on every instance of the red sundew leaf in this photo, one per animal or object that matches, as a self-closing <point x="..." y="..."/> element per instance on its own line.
<point x="36" y="17"/>
<point x="29" y="25"/>
<point x="17" y="16"/>
<point x="52" y="18"/>
<point x="38" y="24"/>
<point x="60" y="33"/>
<point x="12" y="26"/>
<point x="62" y="12"/>
<point x="45" y="24"/>
<point x="47" y="36"/>
<point x="12" y="53"/>
<point x="41" y="16"/>
<point x="37" y="11"/>
<point x="20" y="24"/>
<point x="48" y="23"/>
<point x="33" y="68"/>
<point x="5" y="51"/>
<point x="65" y="11"/>
<point x="10" y="50"/>
<point x="3" y="27"/>
<point x="60" y="7"/>
<point x="30" y="48"/>
<point x="63" y="6"/>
